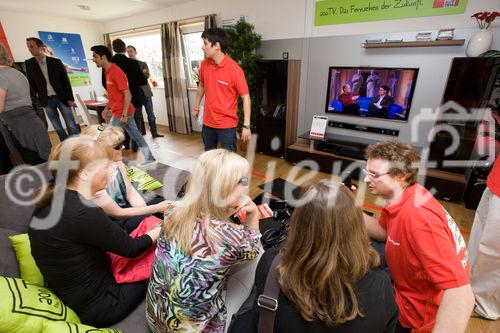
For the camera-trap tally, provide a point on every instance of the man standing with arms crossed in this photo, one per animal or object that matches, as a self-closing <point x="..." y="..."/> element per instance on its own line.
<point x="425" y="252"/>
<point x="119" y="97"/>
<point x="221" y="81"/>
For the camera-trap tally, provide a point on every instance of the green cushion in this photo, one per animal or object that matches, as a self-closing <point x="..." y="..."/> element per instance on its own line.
<point x="63" y="327"/>
<point x="27" y="266"/>
<point x="141" y="180"/>
<point x="25" y="306"/>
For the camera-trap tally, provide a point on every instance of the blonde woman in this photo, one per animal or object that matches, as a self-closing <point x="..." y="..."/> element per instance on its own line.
<point x="199" y="244"/>
<point x="20" y="127"/>
<point x="120" y="200"/>
<point x="71" y="251"/>
<point x="328" y="273"/>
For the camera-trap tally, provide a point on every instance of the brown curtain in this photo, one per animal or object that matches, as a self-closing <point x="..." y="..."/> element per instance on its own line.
<point x="174" y="76"/>
<point x="210" y="22"/>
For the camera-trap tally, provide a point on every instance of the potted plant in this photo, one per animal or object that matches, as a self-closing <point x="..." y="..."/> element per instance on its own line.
<point x="243" y="43"/>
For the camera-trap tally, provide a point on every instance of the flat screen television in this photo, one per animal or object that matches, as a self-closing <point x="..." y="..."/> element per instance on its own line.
<point x="358" y="91"/>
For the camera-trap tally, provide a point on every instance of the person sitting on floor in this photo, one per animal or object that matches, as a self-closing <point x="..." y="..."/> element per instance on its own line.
<point x="199" y="244"/>
<point x="120" y="200"/>
<point x="70" y="237"/>
<point x="328" y="274"/>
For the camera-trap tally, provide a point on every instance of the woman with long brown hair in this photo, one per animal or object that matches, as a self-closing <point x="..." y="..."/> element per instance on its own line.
<point x="327" y="271"/>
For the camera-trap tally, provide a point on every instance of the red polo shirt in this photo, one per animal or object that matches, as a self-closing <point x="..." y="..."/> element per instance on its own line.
<point x="426" y="254"/>
<point x="116" y="83"/>
<point x="222" y="83"/>
<point x="493" y="180"/>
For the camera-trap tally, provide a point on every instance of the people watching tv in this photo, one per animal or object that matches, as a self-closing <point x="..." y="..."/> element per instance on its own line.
<point x="120" y="200"/>
<point x="348" y="100"/>
<point x="70" y="237"/>
<point x="381" y="103"/>
<point x="199" y="244"/>
<point x="424" y="250"/>
<point x="20" y="127"/>
<point x="328" y="274"/>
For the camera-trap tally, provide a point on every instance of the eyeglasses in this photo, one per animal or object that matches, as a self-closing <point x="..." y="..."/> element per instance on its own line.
<point x="374" y="175"/>
<point x="244" y="181"/>
<point x="119" y="146"/>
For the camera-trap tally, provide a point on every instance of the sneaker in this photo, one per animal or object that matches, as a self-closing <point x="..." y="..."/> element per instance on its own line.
<point x="156" y="135"/>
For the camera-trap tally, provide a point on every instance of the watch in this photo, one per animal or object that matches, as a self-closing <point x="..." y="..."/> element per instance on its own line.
<point x="246" y="126"/>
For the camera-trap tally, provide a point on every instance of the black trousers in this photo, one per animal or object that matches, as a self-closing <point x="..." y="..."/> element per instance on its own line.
<point x="115" y="305"/>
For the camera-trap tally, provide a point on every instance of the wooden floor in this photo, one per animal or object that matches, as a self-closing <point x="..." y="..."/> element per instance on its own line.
<point x="181" y="151"/>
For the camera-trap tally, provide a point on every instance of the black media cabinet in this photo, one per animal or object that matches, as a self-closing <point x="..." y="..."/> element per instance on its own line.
<point x="350" y="156"/>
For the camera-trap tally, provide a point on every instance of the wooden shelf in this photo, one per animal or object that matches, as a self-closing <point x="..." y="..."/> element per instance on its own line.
<point x="453" y="42"/>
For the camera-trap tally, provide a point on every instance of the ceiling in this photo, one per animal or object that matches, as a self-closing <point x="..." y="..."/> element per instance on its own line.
<point x="100" y="10"/>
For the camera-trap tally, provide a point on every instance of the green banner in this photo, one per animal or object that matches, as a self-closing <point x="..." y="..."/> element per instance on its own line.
<point x="329" y="12"/>
<point x="79" y="80"/>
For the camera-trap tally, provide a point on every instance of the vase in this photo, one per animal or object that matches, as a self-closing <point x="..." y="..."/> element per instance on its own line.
<point x="479" y="43"/>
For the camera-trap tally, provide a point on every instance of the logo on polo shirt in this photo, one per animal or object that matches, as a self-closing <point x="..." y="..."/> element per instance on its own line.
<point x="224" y="83"/>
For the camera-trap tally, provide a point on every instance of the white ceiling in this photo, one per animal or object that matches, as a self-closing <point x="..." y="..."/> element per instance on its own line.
<point x="100" y="10"/>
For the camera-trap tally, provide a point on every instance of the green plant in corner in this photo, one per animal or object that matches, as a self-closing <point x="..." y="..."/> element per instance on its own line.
<point x="243" y="43"/>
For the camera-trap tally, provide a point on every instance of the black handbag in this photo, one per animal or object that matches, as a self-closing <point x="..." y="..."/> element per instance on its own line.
<point x="267" y="305"/>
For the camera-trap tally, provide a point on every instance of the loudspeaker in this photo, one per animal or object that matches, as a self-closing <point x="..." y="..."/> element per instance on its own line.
<point x="473" y="192"/>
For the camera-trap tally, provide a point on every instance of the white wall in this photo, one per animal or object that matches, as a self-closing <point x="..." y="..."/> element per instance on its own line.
<point x="19" y="26"/>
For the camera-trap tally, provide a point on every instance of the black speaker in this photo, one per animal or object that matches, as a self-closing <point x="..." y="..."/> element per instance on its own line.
<point x="473" y="192"/>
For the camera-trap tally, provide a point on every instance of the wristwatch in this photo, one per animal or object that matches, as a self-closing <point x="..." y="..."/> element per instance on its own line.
<point x="246" y="126"/>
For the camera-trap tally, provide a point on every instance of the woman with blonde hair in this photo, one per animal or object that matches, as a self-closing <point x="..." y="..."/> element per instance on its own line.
<point x="20" y="127"/>
<point x="70" y="237"/>
<point x="120" y="200"/>
<point x="199" y="244"/>
<point x="327" y="272"/>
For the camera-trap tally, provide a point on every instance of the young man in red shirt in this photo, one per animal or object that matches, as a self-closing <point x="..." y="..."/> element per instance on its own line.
<point x="484" y="248"/>
<point x="119" y="99"/>
<point x="425" y="252"/>
<point x="221" y="81"/>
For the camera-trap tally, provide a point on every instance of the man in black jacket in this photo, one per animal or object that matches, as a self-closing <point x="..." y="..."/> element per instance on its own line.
<point x="135" y="78"/>
<point x="50" y="87"/>
<point x="381" y="103"/>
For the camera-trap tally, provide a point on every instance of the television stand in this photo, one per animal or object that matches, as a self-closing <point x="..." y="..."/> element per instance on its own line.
<point x="335" y="149"/>
<point x="325" y="152"/>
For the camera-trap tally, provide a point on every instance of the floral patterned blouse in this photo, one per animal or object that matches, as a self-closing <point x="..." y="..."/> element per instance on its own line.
<point x="186" y="292"/>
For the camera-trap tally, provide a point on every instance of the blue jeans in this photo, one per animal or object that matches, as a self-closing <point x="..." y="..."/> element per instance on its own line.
<point x="212" y="136"/>
<point x="135" y="135"/>
<point x="53" y="104"/>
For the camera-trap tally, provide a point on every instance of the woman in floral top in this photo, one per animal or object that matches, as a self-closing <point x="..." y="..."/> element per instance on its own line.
<point x="199" y="244"/>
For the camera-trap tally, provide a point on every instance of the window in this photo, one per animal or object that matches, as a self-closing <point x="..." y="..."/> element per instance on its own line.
<point x="148" y="46"/>
<point x="193" y="54"/>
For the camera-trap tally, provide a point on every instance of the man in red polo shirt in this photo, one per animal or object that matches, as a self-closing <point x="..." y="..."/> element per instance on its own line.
<point x="425" y="252"/>
<point x="119" y="99"/>
<point x="221" y="81"/>
<point x="484" y="248"/>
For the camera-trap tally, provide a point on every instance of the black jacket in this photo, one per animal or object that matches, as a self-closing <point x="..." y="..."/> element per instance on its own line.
<point x="135" y="77"/>
<point x="58" y="78"/>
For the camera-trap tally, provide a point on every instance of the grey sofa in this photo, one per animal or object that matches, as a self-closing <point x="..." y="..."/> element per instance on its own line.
<point x="15" y="217"/>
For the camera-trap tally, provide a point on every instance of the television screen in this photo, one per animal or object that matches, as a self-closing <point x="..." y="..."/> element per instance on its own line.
<point x="371" y="92"/>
